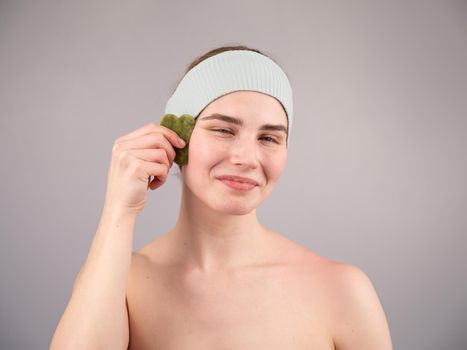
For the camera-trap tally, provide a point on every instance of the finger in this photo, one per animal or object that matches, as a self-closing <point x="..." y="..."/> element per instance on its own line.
<point x="156" y="170"/>
<point x="147" y="169"/>
<point x="171" y="135"/>
<point x="153" y="155"/>
<point x="149" y="141"/>
<point x="156" y="183"/>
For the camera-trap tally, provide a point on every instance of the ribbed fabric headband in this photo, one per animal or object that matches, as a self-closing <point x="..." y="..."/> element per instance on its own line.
<point x="227" y="72"/>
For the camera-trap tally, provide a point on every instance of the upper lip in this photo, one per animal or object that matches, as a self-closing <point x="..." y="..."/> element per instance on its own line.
<point x="238" y="179"/>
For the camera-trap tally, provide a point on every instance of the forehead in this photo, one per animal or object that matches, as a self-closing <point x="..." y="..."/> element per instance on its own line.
<point x="251" y="106"/>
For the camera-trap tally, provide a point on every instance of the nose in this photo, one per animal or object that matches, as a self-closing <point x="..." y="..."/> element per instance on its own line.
<point x="244" y="153"/>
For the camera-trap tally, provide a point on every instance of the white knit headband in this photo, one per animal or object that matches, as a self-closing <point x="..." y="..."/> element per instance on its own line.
<point x="227" y="72"/>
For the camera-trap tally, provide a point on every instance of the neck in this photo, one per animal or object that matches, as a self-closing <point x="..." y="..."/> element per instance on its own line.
<point x="208" y="241"/>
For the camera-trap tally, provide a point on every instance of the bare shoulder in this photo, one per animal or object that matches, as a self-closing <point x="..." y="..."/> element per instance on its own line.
<point x="357" y="316"/>
<point x="139" y="268"/>
<point x="149" y="261"/>
<point x="144" y="260"/>
<point x="151" y="252"/>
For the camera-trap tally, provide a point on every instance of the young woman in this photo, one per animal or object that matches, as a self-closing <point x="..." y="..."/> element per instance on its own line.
<point x="219" y="279"/>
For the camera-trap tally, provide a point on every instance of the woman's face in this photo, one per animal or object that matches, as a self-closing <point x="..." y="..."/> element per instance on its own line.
<point x="240" y="134"/>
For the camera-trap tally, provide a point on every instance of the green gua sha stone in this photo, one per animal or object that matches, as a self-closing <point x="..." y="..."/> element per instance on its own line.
<point x="183" y="126"/>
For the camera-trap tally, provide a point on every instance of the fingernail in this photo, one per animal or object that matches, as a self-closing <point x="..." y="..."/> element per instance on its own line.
<point x="181" y="142"/>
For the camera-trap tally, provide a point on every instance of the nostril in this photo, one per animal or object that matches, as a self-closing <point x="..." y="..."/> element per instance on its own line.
<point x="246" y="162"/>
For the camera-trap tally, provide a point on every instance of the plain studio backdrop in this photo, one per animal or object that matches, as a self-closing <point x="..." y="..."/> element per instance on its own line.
<point x="376" y="174"/>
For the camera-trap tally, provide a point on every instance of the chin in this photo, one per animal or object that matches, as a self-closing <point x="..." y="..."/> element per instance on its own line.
<point x="233" y="207"/>
<point x="235" y="210"/>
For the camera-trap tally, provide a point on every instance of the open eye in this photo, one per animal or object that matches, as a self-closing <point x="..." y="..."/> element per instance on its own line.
<point x="269" y="139"/>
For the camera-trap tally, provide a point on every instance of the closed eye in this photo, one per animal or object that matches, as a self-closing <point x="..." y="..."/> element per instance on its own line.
<point x="223" y="131"/>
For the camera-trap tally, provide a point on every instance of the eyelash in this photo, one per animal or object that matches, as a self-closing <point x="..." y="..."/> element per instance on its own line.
<point x="221" y="130"/>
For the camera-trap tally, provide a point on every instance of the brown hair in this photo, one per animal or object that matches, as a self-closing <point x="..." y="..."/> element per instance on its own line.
<point x="214" y="52"/>
<point x="218" y="51"/>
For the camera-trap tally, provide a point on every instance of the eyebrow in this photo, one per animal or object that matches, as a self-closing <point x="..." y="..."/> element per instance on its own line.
<point x="236" y="121"/>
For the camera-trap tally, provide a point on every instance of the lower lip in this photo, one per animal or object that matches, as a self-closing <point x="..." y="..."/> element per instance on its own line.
<point x="241" y="186"/>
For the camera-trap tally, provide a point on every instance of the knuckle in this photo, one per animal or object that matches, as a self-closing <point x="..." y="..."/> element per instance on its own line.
<point x="123" y="154"/>
<point x="165" y="168"/>
<point x="135" y="167"/>
<point x="159" y="137"/>
<point x="172" y="155"/>
<point x="116" y="147"/>
<point x="168" y="159"/>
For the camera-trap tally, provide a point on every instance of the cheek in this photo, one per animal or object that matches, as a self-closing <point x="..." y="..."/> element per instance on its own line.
<point x="275" y="166"/>
<point x="202" y="151"/>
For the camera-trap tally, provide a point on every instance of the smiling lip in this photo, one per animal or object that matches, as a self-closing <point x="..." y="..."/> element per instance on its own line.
<point x="238" y="179"/>
<point x="238" y="182"/>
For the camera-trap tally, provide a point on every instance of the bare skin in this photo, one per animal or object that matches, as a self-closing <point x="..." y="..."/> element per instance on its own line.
<point x="285" y="300"/>
<point x="219" y="279"/>
<point x="268" y="304"/>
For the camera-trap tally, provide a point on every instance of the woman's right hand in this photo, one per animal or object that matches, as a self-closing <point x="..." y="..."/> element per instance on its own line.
<point x="136" y="156"/>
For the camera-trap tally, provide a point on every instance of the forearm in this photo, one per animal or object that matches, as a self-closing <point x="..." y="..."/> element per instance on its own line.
<point x="95" y="316"/>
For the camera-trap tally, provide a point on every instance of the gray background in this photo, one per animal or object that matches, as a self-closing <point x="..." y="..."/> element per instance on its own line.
<point x="377" y="160"/>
